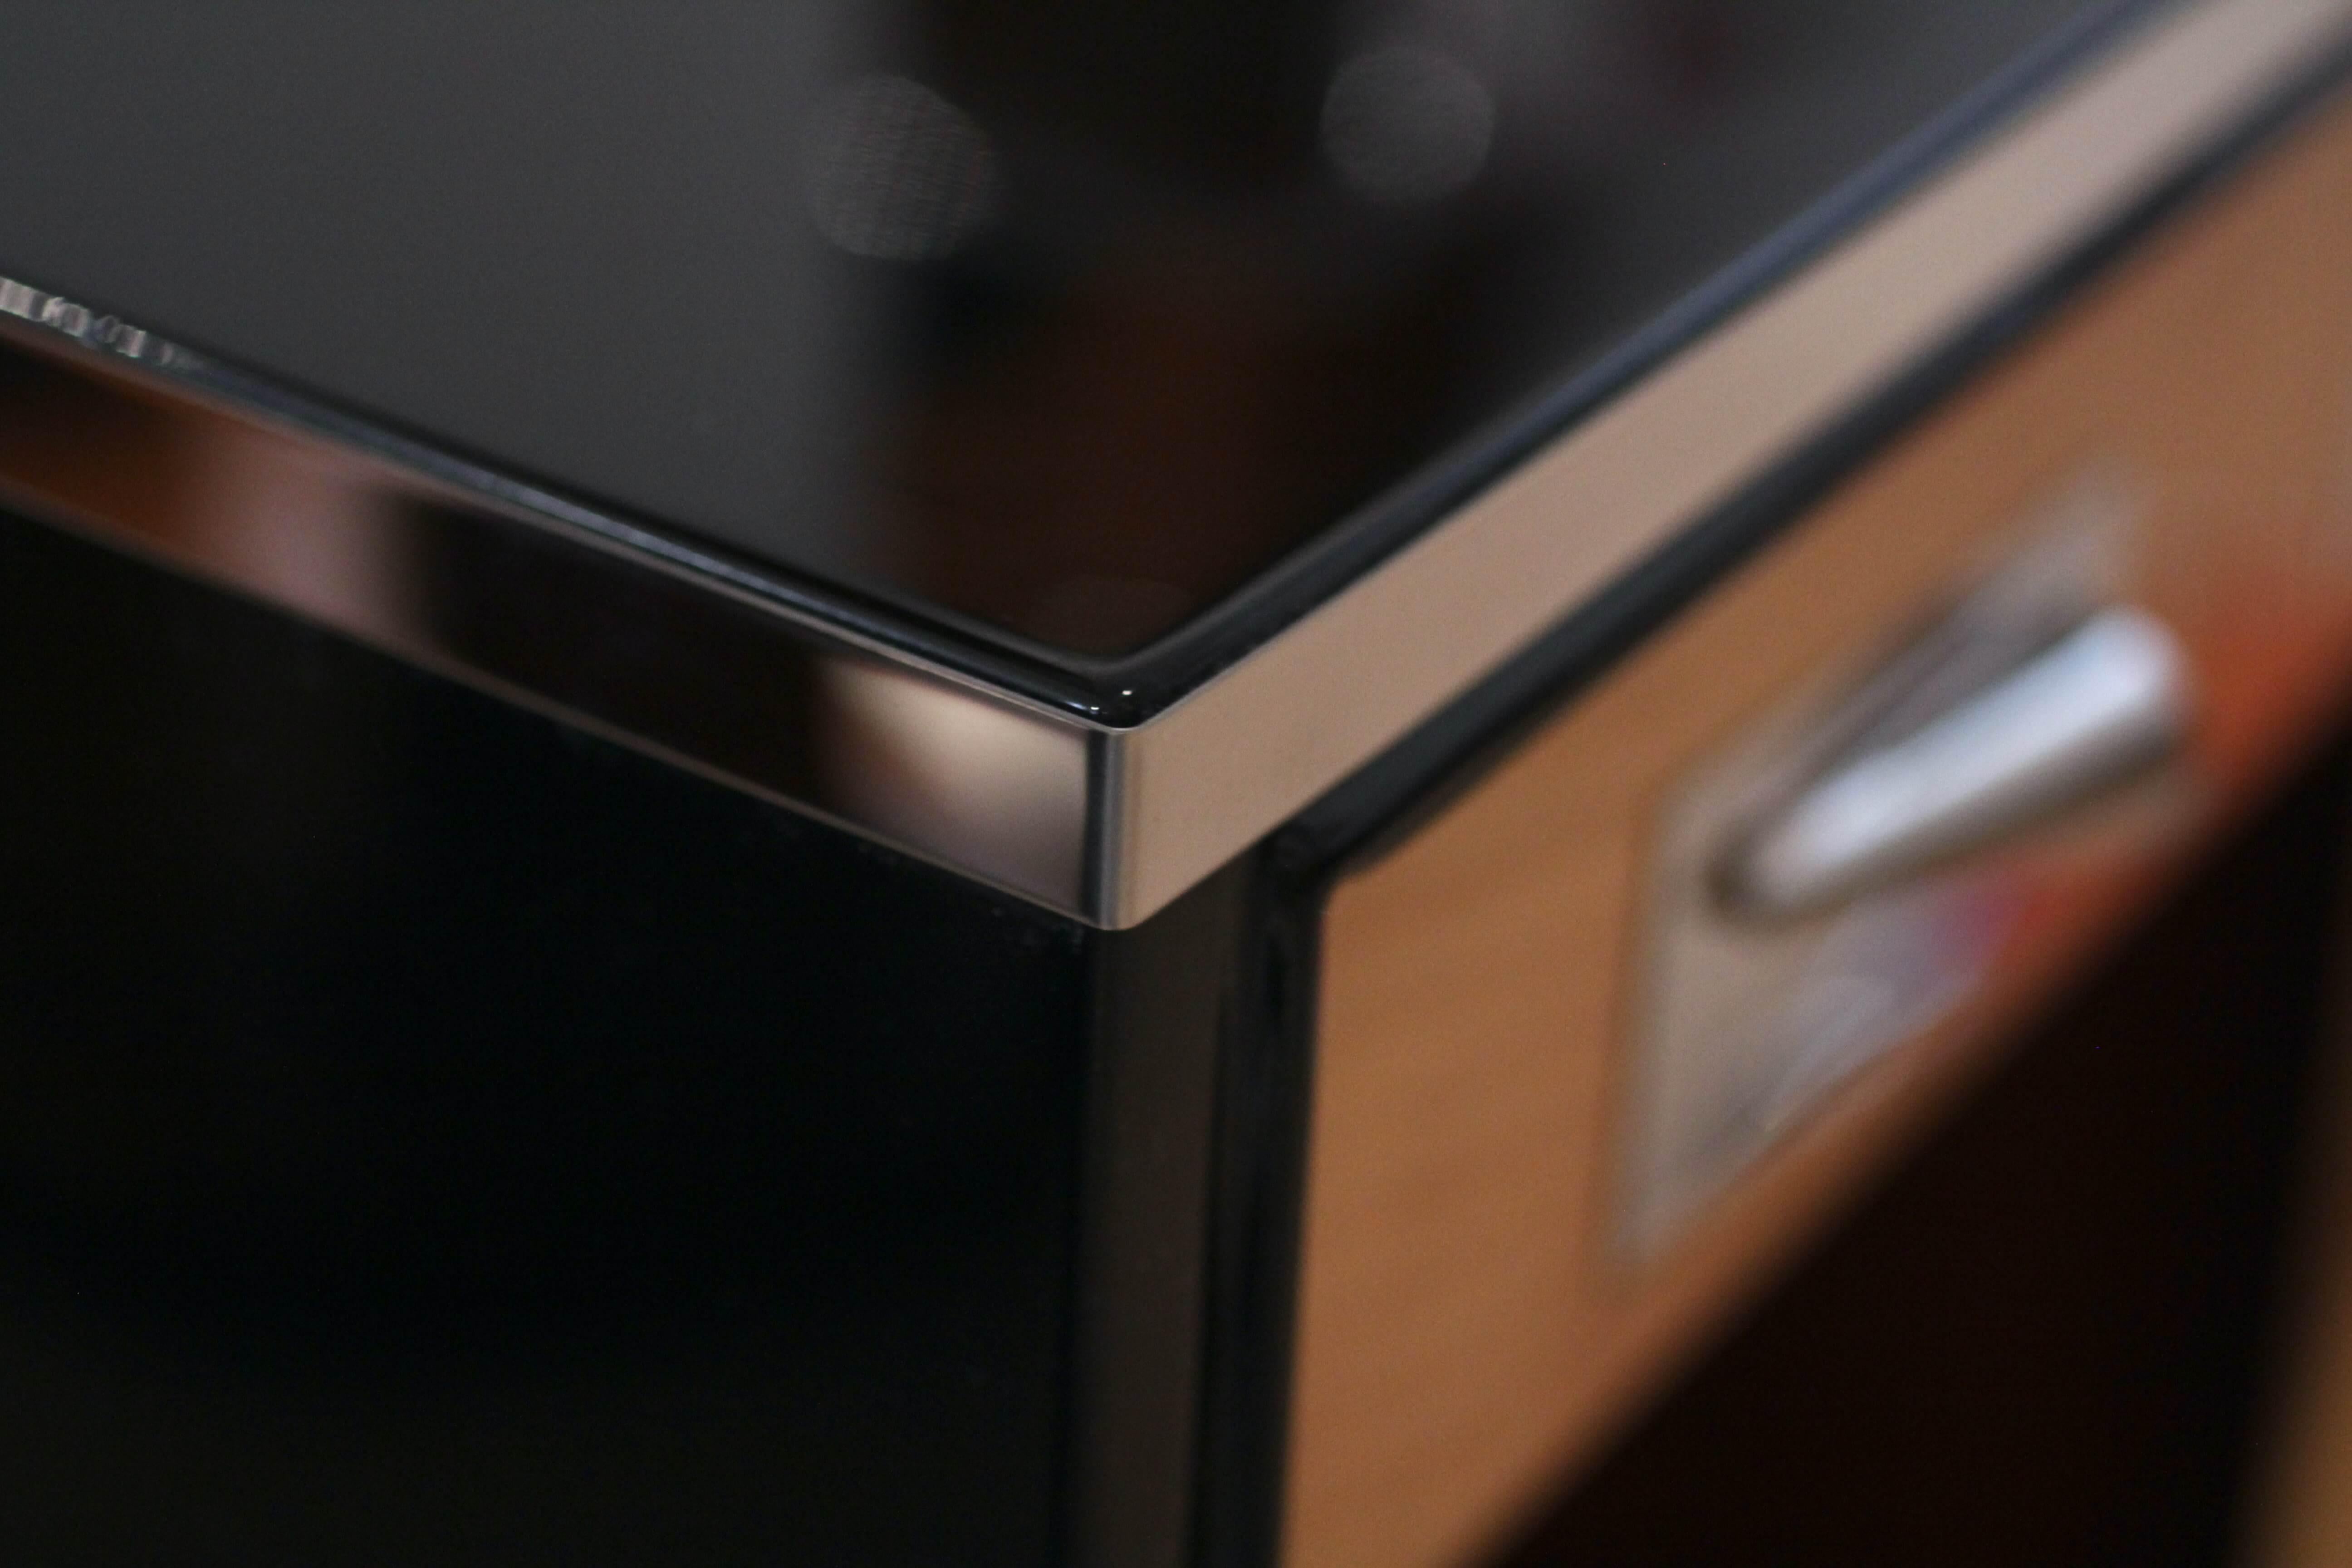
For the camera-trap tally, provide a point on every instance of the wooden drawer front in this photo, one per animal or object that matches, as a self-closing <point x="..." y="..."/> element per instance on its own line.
<point x="1469" y="1327"/>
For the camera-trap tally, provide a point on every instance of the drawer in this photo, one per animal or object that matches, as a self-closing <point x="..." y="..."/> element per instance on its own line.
<point x="1480" y="1305"/>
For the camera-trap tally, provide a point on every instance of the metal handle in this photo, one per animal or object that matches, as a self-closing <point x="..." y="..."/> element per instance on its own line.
<point x="2102" y="703"/>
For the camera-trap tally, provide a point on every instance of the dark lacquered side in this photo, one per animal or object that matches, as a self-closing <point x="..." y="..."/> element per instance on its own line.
<point x="429" y="1134"/>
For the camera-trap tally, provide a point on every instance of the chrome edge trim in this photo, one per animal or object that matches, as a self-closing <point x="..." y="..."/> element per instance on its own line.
<point x="1108" y="824"/>
<point x="565" y="620"/>
<point x="1268" y="737"/>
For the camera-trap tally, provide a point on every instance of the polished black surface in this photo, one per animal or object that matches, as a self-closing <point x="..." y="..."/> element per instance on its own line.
<point x="428" y="1134"/>
<point x="1050" y="325"/>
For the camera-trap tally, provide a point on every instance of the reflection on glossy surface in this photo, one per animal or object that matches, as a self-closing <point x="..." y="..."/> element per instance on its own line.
<point x="931" y="764"/>
<point x="896" y="173"/>
<point x="1407" y="124"/>
<point x="1064" y="319"/>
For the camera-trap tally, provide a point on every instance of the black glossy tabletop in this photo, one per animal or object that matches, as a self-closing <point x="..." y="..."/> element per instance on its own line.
<point x="1043" y="323"/>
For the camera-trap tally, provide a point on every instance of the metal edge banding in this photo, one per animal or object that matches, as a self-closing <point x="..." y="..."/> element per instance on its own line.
<point x="1201" y="781"/>
<point x="981" y="783"/>
<point x="205" y="380"/>
<point x="1110" y="825"/>
<point x="39" y="318"/>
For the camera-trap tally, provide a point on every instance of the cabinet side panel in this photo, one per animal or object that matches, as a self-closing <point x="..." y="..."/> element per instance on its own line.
<point x="430" y="1134"/>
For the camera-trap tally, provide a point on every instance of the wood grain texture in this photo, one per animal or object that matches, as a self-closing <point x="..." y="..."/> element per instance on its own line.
<point x="1467" y="1332"/>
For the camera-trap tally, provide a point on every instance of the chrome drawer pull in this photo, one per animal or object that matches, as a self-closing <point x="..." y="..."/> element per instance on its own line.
<point x="2105" y="701"/>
